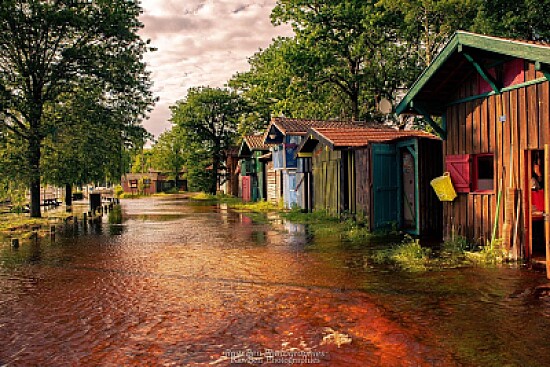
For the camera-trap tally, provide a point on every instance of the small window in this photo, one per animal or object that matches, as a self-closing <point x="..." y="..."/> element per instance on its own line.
<point x="484" y="172"/>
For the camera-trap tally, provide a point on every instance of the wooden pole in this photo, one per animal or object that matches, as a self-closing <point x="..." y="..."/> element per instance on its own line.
<point x="515" y="252"/>
<point x="510" y="193"/>
<point x="497" y="214"/>
<point x="547" y="206"/>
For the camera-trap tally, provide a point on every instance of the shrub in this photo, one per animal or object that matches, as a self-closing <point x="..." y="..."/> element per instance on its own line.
<point x="118" y="191"/>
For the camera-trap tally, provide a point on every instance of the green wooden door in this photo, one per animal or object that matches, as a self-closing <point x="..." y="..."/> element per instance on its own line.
<point x="385" y="184"/>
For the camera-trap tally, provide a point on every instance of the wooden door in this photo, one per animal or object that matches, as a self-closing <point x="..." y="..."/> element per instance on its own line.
<point x="246" y="188"/>
<point x="385" y="185"/>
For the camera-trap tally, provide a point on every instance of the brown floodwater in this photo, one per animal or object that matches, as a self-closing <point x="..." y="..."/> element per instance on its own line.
<point x="183" y="284"/>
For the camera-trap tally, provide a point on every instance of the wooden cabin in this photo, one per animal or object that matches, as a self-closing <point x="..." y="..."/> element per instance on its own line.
<point x="284" y="135"/>
<point x="148" y="183"/>
<point x="254" y="165"/>
<point x="492" y="98"/>
<point x="375" y="172"/>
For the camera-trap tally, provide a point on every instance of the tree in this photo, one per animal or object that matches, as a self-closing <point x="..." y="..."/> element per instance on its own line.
<point x="13" y="169"/>
<point x="88" y="144"/>
<point x="427" y="24"/>
<point x="49" y="48"/>
<point x="520" y="19"/>
<point x="344" y="43"/>
<point x="168" y="154"/>
<point x="141" y="160"/>
<point x="208" y="119"/>
<point x="273" y="86"/>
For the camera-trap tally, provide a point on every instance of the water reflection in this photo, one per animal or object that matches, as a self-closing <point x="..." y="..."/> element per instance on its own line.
<point x="143" y="288"/>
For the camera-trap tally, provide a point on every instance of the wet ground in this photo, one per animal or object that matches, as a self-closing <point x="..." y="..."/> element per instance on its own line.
<point x="182" y="284"/>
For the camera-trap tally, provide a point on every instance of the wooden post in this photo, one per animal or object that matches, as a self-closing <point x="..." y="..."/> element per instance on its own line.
<point x="547" y="206"/>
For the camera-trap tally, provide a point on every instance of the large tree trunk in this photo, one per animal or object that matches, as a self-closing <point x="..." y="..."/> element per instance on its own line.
<point x="34" y="166"/>
<point x="214" y="177"/>
<point x="68" y="195"/>
<point x="176" y="179"/>
<point x="355" y="109"/>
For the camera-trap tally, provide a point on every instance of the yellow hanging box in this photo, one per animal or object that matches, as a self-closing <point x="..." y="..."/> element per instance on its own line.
<point x="443" y="187"/>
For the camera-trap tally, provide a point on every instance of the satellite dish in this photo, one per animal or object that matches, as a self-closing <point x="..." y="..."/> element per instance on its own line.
<point x="385" y="106"/>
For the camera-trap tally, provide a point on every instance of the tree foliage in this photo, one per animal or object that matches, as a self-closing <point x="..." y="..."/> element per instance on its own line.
<point x="350" y="44"/>
<point x="13" y="168"/>
<point x="272" y="86"/>
<point x="89" y="140"/>
<point x="50" y="48"/>
<point x="520" y="19"/>
<point x="208" y="119"/>
<point x="427" y="24"/>
<point x="169" y="153"/>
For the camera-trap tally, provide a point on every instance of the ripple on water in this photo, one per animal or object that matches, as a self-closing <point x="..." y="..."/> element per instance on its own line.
<point x="182" y="288"/>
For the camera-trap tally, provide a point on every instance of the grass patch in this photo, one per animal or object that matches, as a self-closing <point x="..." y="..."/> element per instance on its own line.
<point x="322" y="223"/>
<point x="235" y="203"/>
<point x="490" y="254"/>
<point x="257" y="207"/>
<point x="115" y="215"/>
<point x="21" y="224"/>
<point x="408" y="255"/>
<point x="411" y="256"/>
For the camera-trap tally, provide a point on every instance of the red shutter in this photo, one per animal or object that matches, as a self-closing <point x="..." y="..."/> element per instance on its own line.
<point x="458" y="167"/>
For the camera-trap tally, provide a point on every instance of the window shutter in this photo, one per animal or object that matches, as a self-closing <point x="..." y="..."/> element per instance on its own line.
<point x="458" y="167"/>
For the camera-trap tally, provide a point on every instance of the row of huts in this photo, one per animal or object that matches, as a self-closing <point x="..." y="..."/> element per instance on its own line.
<point x="487" y="100"/>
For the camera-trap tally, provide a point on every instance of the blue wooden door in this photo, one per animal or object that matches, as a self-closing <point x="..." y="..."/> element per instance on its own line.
<point x="385" y="184"/>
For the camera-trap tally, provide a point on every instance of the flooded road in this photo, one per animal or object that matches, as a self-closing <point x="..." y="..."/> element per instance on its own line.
<point x="182" y="284"/>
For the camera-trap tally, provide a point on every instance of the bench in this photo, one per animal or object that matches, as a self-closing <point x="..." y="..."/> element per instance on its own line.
<point x="51" y="202"/>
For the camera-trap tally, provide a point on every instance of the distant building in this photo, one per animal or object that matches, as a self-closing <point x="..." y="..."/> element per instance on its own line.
<point x="152" y="181"/>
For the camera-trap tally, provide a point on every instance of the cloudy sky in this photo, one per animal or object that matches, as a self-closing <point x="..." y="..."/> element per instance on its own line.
<point x="201" y="42"/>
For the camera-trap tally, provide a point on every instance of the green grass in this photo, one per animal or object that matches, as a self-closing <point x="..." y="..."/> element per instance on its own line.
<point x="235" y="203"/>
<point x="408" y="255"/>
<point x="22" y="224"/>
<point x="322" y="223"/>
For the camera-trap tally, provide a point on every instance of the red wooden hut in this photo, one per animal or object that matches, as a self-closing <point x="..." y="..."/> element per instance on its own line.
<point x="492" y="98"/>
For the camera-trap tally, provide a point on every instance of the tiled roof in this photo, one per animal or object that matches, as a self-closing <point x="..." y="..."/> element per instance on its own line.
<point x="362" y="136"/>
<point x="290" y="126"/>
<point x="256" y="142"/>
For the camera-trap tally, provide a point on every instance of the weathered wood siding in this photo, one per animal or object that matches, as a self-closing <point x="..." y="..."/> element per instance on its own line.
<point x="363" y="183"/>
<point x="474" y="127"/>
<point x="326" y="180"/>
<point x="271" y="176"/>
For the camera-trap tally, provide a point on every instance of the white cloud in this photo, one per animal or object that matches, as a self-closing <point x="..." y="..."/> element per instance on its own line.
<point x="201" y="42"/>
